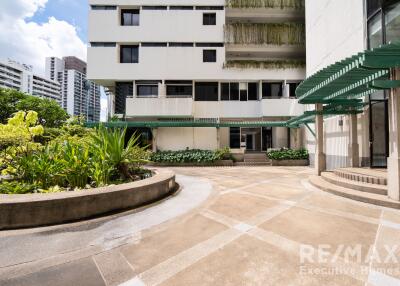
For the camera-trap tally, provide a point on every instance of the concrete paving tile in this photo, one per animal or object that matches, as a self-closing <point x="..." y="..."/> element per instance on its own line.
<point x="78" y="273"/>
<point x="387" y="256"/>
<point x="320" y="230"/>
<point x="114" y="267"/>
<point x="330" y="202"/>
<point x="239" y="206"/>
<point x="275" y="191"/>
<point x="162" y="245"/>
<point x="392" y="216"/>
<point x="249" y="261"/>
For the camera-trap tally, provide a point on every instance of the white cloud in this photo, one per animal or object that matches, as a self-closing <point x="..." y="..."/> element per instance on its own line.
<point x="29" y="42"/>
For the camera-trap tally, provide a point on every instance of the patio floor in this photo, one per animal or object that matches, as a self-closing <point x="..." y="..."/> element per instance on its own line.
<point x="228" y="226"/>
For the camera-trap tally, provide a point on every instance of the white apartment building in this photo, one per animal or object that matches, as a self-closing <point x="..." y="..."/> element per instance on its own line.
<point x="201" y="74"/>
<point x="21" y="77"/>
<point x="79" y="96"/>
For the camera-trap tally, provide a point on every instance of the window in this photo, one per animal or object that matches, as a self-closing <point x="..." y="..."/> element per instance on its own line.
<point x="99" y="7"/>
<point x="103" y="45"/>
<point x="225" y="91"/>
<point x="130" y="17"/>
<point x="147" y="90"/>
<point x="206" y="91"/>
<point x="129" y="54"/>
<point x="209" y="19"/>
<point x="154" y="44"/>
<point x="154" y="7"/>
<point x="392" y="23"/>
<point x="209" y="45"/>
<point x="209" y="7"/>
<point x="292" y="89"/>
<point x="181" y="44"/>
<point x="271" y="90"/>
<point x="122" y="91"/>
<point x="375" y="34"/>
<point x="209" y="56"/>
<point x="253" y="91"/>
<point x="181" y="8"/>
<point x="176" y="88"/>
<point x="234" y="137"/>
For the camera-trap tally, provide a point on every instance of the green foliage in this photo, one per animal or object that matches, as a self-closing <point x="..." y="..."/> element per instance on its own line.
<point x="265" y="33"/>
<point x="267" y="64"/>
<point x="16" y="188"/>
<point x="295" y="4"/>
<point x="50" y="112"/>
<point x="288" y="154"/>
<point x="9" y="98"/>
<point x="189" y="156"/>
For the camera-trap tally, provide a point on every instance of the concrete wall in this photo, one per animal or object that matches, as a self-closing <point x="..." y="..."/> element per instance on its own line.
<point x="175" y="139"/>
<point x="335" y="29"/>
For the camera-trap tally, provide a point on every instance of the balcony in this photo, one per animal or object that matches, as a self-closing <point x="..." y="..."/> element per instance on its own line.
<point x="291" y="4"/>
<point x="159" y="107"/>
<point x="287" y="107"/>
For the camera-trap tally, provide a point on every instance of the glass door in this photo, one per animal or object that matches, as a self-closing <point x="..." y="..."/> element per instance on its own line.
<point x="379" y="146"/>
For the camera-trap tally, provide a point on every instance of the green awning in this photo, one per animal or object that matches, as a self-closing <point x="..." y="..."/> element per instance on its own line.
<point x="351" y="78"/>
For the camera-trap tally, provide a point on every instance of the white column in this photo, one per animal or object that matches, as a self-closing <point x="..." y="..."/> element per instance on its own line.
<point x="320" y="158"/>
<point x="154" y="131"/>
<point x="218" y="137"/>
<point x="394" y="141"/>
<point x="354" y="159"/>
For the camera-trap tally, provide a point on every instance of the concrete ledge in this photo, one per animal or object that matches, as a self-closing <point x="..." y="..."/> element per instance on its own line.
<point x="221" y="163"/>
<point x="18" y="211"/>
<point x="290" y="163"/>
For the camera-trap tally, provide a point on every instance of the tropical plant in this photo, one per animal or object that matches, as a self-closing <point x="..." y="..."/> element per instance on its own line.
<point x="288" y="154"/>
<point x="188" y="156"/>
<point x="17" y="188"/>
<point x="295" y="4"/>
<point x="8" y="101"/>
<point x="267" y="64"/>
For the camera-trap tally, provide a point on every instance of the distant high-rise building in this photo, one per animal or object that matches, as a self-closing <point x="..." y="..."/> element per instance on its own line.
<point x="79" y="97"/>
<point x="21" y="77"/>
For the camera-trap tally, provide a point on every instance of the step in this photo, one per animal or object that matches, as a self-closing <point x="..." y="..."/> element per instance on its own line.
<point x="252" y="164"/>
<point x="256" y="160"/>
<point x="361" y="175"/>
<point x="375" y="199"/>
<point x="354" y="185"/>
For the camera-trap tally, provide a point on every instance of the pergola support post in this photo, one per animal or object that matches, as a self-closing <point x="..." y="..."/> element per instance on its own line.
<point x="354" y="159"/>
<point x="320" y="158"/>
<point x="394" y="141"/>
<point x="154" y="131"/>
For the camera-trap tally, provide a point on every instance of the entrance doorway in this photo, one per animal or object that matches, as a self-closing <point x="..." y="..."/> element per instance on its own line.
<point x="251" y="138"/>
<point x="378" y="130"/>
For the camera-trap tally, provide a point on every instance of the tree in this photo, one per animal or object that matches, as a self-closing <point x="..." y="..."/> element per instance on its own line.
<point x="49" y="111"/>
<point x="8" y="101"/>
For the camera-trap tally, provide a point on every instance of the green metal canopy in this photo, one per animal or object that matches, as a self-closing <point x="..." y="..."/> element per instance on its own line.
<point x="352" y="78"/>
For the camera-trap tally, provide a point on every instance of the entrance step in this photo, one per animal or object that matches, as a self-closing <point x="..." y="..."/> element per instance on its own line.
<point x="362" y="196"/>
<point x="378" y="177"/>
<point x="242" y="164"/>
<point x="255" y="158"/>
<point x="332" y="178"/>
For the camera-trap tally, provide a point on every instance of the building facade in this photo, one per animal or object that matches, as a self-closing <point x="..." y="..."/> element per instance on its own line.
<point x="212" y="63"/>
<point x="363" y="25"/>
<point x="21" y="77"/>
<point x="79" y="96"/>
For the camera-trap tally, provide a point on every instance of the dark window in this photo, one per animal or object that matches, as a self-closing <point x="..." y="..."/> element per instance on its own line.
<point x="292" y="89"/>
<point x="243" y="95"/>
<point x="225" y="91"/>
<point x="209" y="7"/>
<point x="253" y="90"/>
<point x="179" y="90"/>
<point x="99" y="7"/>
<point x="375" y="33"/>
<point x="130" y="17"/>
<point x="181" y="8"/>
<point x="272" y="90"/>
<point x="206" y="91"/>
<point x="181" y="44"/>
<point x="154" y="7"/>
<point x="104" y="45"/>
<point x="147" y="90"/>
<point x="234" y="136"/>
<point x="154" y="44"/>
<point x="373" y="6"/>
<point x="209" y="19"/>
<point x="209" y="45"/>
<point x="122" y="91"/>
<point x="129" y="54"/>
<point x="209" y="56"/>
<point x="234" y="91"/>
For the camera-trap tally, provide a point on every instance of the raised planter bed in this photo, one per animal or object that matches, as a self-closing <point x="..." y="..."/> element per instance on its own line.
<point x="290" y="163"/>
<point x="223" y="163"/>
<point x="31" y="210"/>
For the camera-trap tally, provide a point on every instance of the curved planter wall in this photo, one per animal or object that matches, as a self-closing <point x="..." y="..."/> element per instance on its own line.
<point x="17" y="211"/>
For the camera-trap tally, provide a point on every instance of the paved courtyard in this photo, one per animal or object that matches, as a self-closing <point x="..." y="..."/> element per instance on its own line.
<point x="227" y="226"/>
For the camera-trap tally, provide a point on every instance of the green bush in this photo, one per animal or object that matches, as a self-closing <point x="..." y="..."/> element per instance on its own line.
<point x="288" y="154"/>
<point x="189" y="156"/>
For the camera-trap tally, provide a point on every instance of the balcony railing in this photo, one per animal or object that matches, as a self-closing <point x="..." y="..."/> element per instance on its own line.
<point x="293" y="4"/>
<point x="265" y="34"/>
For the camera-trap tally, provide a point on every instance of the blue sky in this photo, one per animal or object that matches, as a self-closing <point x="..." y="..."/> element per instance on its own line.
<point x="74" y="12"/>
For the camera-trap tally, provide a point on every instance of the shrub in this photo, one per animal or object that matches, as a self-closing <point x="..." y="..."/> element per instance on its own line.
<point x="288" y="154"/>
<point x="189" y="156"/>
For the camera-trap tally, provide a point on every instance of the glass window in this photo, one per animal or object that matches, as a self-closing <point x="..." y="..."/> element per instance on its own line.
<point x="129" y="54"/>
<point x="179" y="90"/>
<point x="122" y="91"/>
<point x="209" y="19"/>
<point x="209" y="56"/>
<point x="225" y="91"/>
<point x="206" y="91"/>
<point x="253" y="90"/>
<point x="292" y="89"/>
<point x="392" y="22"/>
<point x="147" y="90"/>
<point x="130" y="17"/>
<point x="373" y="6"/>
<point x="375" y="36"/>
<point x="234" y="136"/>
<point x="272" y="90"/>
